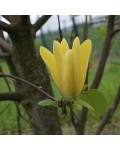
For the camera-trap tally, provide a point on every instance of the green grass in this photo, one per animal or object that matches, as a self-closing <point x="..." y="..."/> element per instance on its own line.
<point x="8" y="113"/>
<point x="108" y="86"/>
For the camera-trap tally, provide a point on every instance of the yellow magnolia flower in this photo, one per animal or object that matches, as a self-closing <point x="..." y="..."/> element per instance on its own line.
<point x="68" y="66"/>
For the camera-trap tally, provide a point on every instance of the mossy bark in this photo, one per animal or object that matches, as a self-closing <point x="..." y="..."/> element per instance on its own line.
<point x="43" y="120"/>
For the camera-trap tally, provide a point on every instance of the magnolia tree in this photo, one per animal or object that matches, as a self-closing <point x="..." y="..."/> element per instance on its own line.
<point x="67" y="66"/>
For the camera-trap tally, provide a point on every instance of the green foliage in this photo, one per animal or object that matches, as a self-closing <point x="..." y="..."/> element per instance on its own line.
<point x="115" y="63"/>
<point x="8" y="119"/>
<point x="48" y="102"/>
<point x="3" y="86"/>
<point x="79" y="103"/>
<point x="96" y="100"/>
<point x="102" y="30"/>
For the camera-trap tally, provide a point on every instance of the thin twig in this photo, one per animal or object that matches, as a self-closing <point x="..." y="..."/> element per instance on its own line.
<point x="115" y="31"/>
<point x="105" y="53"/>
<point x="8" y="60"/>
<point x="18" y="118"/>
<point x="59" y="28"/>
<point x="7" y="82"/>
<point x="5" y="45"/>
<point x="24" y="118"/>
<point x="75" y="27"/>
<point x="13" y="96"/>
<point x="5" y="108"/>
<point x="6" y="17"/>
<point x="4" y="26"/>
<point x="5" y="55"/>
<point x="28" y="83"/>
<point x="40" y="22"/>
<point x="73" y="117"/>
<point x="108" y="115"/>
<point x="74" y="32"/>
<point x="84" y="112"/>
<point x="98" y="22"/>
<point x="16" y="104"/>
<point x="85" y="29"/>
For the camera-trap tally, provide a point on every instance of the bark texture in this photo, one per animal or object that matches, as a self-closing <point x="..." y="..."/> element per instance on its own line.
<point x="43" y="120"/>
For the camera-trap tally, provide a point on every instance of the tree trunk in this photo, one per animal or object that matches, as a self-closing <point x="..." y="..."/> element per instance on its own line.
<point x="43" y="120"/>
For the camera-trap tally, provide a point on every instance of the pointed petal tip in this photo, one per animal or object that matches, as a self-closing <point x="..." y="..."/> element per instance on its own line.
<point x="55" y="42"/>
<point x="64" y="45"/>
<point x="76" y="43"/>
<point x="42" y="50"/>
<point x="77" y="37"/>
<point x="64" y="41"/>
<point x="88" y="41"/>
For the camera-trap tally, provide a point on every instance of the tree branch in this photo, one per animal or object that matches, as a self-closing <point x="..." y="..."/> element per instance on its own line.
<point x="6" y="17"/>
<point x="5" y="45"/>
<point x="24" y="19"/>
<point x="109" y="113"/>
<point x="115" y="31"/>
<point x="73" y="117"/>
<point x="9" y="60"/>
<point x="98" y="22"/>
<point x="85" y="29"/>
<point x="60" y="30"/>
<point x="5" y="55"/>
<point x="28" y="83"/>
<point x="18" y="118"/>
<point x="6" y="80"/>
<point x="84" y="112"/>
<point x="40" y="22"/>
<point x="4" y="26"/>
<point x="14" y="96"/>
<point x="5" y="108"/>
<point x="105" y="53"/>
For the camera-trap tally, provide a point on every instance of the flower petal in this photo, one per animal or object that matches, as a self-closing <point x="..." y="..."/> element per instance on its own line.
<point x="83" y="55"/>
<point x="76" y="43"/>
<point x="49" y="60"/>
<point x="68" y="75"/>
<point x="64" y="45"/>
<point x="59" y="54"/>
